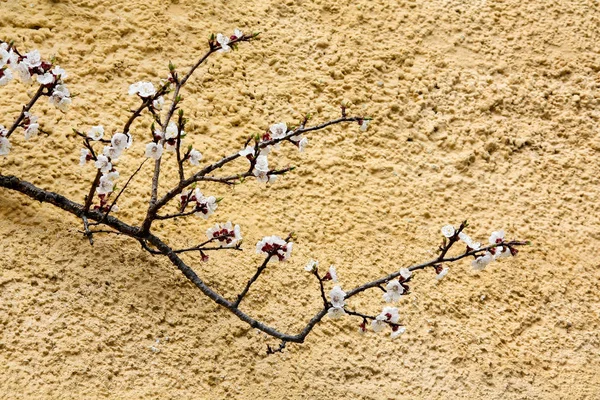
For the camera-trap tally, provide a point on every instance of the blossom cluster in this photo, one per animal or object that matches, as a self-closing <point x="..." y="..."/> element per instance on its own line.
<point x="276" y="247"/>
<point x="257" y="156"/>
<point x="167" y="141"/>
<point x="104" y="162"/>
<point x="203" y="206"/>
<point x="388" y="317"/>
<point x="224" y="41"/>
<point x="225" y="234"/>
<point x="481" y="260"/>
<point x="30" y="68"/>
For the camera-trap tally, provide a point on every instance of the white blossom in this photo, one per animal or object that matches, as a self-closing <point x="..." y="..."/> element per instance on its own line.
<point x="502" y="252"/>
<point x="332" y="273"/>
<point x="248" y="151"/>
<point x="205" y="206"/>
<point x="302" y="144"/>
<point x="172" y="130"/>
<point x="443" y="272"/>
<point x="59" y="72"/>
<point x="23" y="70"/>
<point x="448" y="231"/>
<point x="389" y="314"/>
<point x="276" y="246"/>
<point x="336" y="312"/>
<point x="4" y="146"/>
<point x="195" y="157"/>
<point x="394" y="291"/>
<point x="497" y="237"/>
<point x="311" y="266"/>
<point x="112" y="152"/>
<point x="32" y="128"/>
<point x="365" y="124"/>
<point x="154" y="150"/>
<point x="158" y="103"/>
<point x="84" y="156"/>
<point x="103" y="164"/>
<point x="33" y="59"/>
<point x="468" y="241"/>
<point x="121" y="141"/>
<point x="106" y="185"/>
<point x="5" y="76"/>
<point x="482" y="261"/>
<point x="225" y="234"/>
<point x="96" y="132"/>
<point x="224" y="42"/>
<point x="238" y="33"/>
<point x="378" y="325"/>
<point x="45" y="79"/>
<point x="60" y="98"/>
<point x="405" y="273"/>
<point x="397" y="331"/>
<point x="278" y="130"/>
<point x="261" y="169"/>
<point x="337" y="296"/>
<point x="143" y="89"/>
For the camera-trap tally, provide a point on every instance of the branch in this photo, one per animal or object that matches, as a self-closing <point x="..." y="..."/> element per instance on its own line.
<point x="26" y="108"/>
<point x="259" y="271"/>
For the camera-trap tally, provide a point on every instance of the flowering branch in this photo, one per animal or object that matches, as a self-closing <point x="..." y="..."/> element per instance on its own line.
<point x="169" y="137"/>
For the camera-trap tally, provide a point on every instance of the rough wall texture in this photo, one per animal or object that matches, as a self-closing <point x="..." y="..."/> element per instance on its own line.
<point x="486" y="110"/>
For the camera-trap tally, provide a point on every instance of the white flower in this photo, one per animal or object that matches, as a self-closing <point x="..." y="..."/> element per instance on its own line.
<point x="482" y="261"/>
<point x="226" y="234"/>
<point x="106" y="185"/>
<point x="448" y="231"/>
<point x="33" y="59"/>
<point x="205" y="206"/>
<point x="337" y="296"/>
<point x="248" y="151"/>
<point x="60" y="98"/>
<point x="397" y="331"/>
<point x="59" y="72"/>
<point x="143" y="89"/>
<point x="111" y="152"/>
<point x="4" y="146"/>
<point x="502" y="252"/>
<point x="96" y="132"/>
<point x="389" y="314"/>
<point x="237" y="33"/>
<point x="31" y="126"/>
<point x="154" y="150"/>
<point x="171" y="131"/>
<point x="121" y="141"/>
<point x="5" y="76"/>
<point x="103" y="164"/>
<point x="276" y="246"/>
<point x="112" y="175"/>
<point x="365" y="124"/>
<point x="405" y="273"/>
<point x="497" y="237"/>
<point x="278" y="130"/>
<point x="394" y="291"/>
<point x="3" y="130"/>
<point x="224" y="42"/>
<point x="261" y="169"/>
<point x="311" y="266"/>
<point x="84" y="156"/>
<point x="467" y="240"/>
<point x="158" y="103"/>
<point x="336" y="312"/>
<point x="302" y="144"/>
<point x="378" y="325"/>
<point x="23" y="70"/>
<point x="442" y="273"/>
<point x="195" y="157"/>
<point x="332" y="273"/>
<point x="45" y="79"/>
